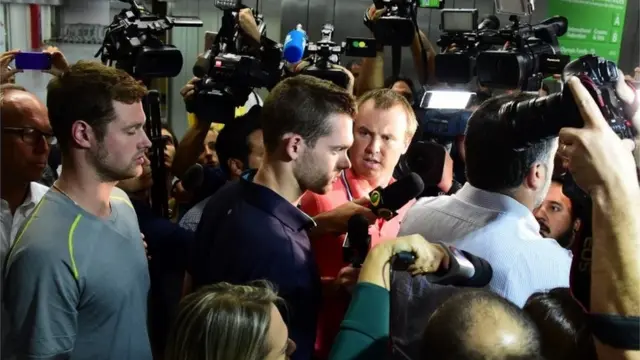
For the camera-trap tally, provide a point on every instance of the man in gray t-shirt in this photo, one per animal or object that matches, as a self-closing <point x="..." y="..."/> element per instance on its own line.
<point x="76" y="280"/>
<point x="81" y="281"/>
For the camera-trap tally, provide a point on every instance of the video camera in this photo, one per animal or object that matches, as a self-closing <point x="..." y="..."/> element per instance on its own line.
<point x="543" y="117"/>
<point x="324" y="53"/>
<point x="515" y="57"/>
<point x="397" y="25"/>
<point x="132" y="42"/>
<point x="233" y="67"/>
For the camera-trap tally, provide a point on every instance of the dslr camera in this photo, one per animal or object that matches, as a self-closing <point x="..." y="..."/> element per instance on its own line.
<point x="131" y="41"/>
<point x="518" y="56"/>
<point x="543" y="117"/>
<point x="325" y="53"/>
<point x="233" y="67"/>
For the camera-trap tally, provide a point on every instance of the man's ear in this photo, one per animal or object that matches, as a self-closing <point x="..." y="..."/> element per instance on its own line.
<point x="536" y="176"/>
<point x="294" y="145"/>
<point x="577" y="225"/>
<point x="82" y="134"/>
<point x="236" y="167"/>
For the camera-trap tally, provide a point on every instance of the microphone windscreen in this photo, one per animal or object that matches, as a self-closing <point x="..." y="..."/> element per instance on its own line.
<point x="483" y="271"/>
<point x="193" y="178"/>
<point x="294" y="46"/>
<point x="402" y="191"/>
<point x="490" y="22"/>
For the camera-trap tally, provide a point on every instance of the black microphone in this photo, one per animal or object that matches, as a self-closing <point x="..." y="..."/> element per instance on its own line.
<point x="465" y="269"/>
<point x="491" y="22"/>
<point x="386" y="201"/>
<point x="357" y="241"/>
<point x="193" y="178"/>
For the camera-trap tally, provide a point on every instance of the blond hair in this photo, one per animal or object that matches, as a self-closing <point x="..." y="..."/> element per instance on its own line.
<point x="385" y="99"/>
<point x="223" y="322"/>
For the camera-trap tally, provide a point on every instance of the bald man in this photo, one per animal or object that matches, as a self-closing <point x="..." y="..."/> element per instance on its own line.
<point x="26" y="136"/>
<point x="478" y="324"/>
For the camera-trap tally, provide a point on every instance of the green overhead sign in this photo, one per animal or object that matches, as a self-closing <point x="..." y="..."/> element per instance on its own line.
<point x="595" y="26"/>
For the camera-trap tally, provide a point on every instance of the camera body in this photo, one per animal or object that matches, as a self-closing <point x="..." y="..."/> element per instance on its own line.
<point x="132" y="42"/>
<point x="325" y="53"/>
<point x="396" y="27"/>
<point x="322" y="55"/>
<point x="233" y="67"/>
<point x="543" y="117"/>
<point x="515" y="57"/>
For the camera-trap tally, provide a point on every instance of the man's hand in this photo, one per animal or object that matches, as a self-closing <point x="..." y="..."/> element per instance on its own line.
<point x="59" y="63"/>
<point x="374" y="14"/>
<point x="429" y="258"/>
<point x="597" y="157"/>
<point x="248" y="24"/>
<point x="337" y="219"/>
<point x="347" y="278"/>
<point x="6" y="73"/>
<point x="189" y="89"/>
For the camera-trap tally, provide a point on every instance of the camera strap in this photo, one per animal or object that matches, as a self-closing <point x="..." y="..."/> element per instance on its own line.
<point x="620" y="332"/>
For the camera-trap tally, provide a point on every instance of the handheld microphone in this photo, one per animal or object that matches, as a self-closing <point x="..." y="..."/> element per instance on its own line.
<point x="386" y="201"/>
<point x="357" y="241"/>
<point x="465" y="269"/>
<point x="193" y="178"/>
<point x="294" y="45"/>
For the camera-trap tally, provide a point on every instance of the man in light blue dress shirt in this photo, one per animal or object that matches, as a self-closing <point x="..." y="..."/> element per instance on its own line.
<point x="491" y="216"/>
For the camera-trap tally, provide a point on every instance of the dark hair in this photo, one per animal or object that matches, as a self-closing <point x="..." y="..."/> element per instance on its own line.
<point x="447" y="334"/>
<point x="233" y="140"/>
<point x="391" y="80"/>
<point x="563" y="325"/>
<point x="302" y="105"/>
<point x="166" y="126"/>
<point x="86" y="92"/>
<point x="492" y="164"/>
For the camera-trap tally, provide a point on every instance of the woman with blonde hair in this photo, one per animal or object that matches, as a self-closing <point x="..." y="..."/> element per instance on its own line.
<point x="230" y="322"/>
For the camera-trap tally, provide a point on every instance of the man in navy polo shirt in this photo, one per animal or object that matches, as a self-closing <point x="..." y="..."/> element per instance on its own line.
<point x="252" y="229"/>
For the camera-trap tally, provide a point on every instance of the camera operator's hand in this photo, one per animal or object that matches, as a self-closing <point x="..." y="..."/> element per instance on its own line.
<point x="628" y="95"/>
<point x="189" y="89"/>
<point x="598" y="159"/>
<point x="7" y="73"/>
<point x="248" y="24"/>
<point x="347" y="278"/>
<point x="59" y="63"/>
<point x="374" y="14"/>
<point x="429" y="258"/>
<point x="352" y="79"/>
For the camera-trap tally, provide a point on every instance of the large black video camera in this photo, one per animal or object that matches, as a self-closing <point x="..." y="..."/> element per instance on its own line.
<point x="233" y="67"/>
<point x="132" y="42"/>
<point x="398" y="24"/>
<point x="516" y="57"/>
<point x="325" y="53"/>
<point x="543" y="117"/>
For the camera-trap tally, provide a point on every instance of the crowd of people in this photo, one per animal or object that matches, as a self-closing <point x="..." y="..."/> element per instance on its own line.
<point x="249" y="263"/>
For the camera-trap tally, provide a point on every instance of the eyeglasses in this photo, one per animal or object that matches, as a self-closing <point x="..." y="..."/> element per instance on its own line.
<point x="31" y="136"/>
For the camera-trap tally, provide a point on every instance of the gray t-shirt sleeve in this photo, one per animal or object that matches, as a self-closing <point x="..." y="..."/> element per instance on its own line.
<point x="41" y="297"/>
